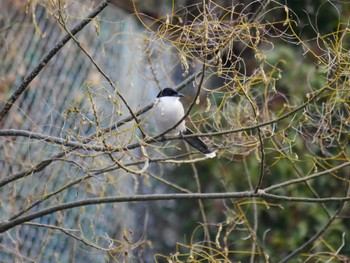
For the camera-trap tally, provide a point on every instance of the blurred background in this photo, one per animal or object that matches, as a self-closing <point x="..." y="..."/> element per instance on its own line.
<point x="132" y="50"/>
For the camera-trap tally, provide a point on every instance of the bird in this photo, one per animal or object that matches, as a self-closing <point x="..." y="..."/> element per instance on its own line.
<point x="168" y="112"/>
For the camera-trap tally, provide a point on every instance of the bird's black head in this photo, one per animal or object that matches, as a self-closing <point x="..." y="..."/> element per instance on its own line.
<point x="169" y="92"/>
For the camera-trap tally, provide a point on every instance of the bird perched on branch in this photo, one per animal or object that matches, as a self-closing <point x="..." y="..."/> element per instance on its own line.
<point x="168" y="112"/>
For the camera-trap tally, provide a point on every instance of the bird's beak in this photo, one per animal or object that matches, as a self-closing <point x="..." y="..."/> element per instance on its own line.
<point x="180" y="95"/>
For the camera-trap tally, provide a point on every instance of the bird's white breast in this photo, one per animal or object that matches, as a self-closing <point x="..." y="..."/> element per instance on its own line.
<point x="168" y="111"/>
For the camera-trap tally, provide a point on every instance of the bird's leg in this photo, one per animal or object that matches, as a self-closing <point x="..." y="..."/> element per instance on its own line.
<point x="181" y="135"/>
<point x="163" y="138"/>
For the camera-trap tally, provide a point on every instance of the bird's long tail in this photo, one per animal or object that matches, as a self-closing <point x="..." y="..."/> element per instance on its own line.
<point x="200" y="145"/>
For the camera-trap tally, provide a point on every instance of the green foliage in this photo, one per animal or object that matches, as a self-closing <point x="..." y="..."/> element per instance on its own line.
<point x="271" y="96"/>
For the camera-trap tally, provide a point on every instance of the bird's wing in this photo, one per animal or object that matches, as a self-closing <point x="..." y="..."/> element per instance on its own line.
<point x="199" y="144"/>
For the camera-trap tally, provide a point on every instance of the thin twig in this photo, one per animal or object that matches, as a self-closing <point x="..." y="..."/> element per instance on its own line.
<point x="67" y="232"/>
<point x="43" y="164"/>
<point x="40" y="166"/>
<point x="318" y="234"/>
<point x="42" y="63"/>
<point x="99" y="69"/>
<point x="305" y="178"/>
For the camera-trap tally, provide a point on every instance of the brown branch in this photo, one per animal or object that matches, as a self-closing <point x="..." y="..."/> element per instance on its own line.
<point x="99" y="69"/>
<point x="32" y="75"/>
<point x="75" y="145"/>
<point x="67" y="232"/>
<point x="305" y="178"/>
<point x="318" y="234"/>
<point x="161" y="197"/>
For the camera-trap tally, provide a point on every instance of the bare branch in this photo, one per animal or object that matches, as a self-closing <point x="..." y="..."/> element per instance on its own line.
<point x="159" y="197"/>
<point x="48" y="57"/>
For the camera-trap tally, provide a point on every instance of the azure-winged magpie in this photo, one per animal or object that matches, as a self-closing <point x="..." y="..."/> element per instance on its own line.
<point x="169" y="111"/>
